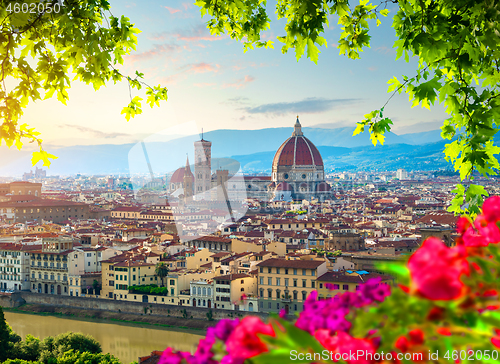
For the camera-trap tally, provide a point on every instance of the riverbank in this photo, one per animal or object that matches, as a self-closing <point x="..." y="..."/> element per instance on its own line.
<point x="125" y="340"/>
<point x="199" y="326"/>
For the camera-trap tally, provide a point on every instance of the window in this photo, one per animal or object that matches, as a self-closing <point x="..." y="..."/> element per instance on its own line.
<point x="261" y="270"/>
<point x="345" y="287"/>
<point x="304" y="296"/>
<point x="295" y="283"/>
<point x="277" y="305"/>
<point x="269" y="305"/>
<point x="321" y="285"/>
<point x="294" y="295"/>
<point x="336" y="286"/>
<point x="286" y="282"/>
<point x="269" y="270"/>
<point x="313" y="273"/>
<point x="277" y="271"/>
<point x="269" y="281"/>
<point x="278" y="281"/>
<point x="313" y="284"/>
<point x="286" y="271"/>
<point x="304" y="283"/>
<point x="261" y="280"/>
<point x="304" y="272"/>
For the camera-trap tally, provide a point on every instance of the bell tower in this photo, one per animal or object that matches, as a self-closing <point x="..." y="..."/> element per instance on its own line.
<point x="202" y="168"/>
<point x="187" y="182"/>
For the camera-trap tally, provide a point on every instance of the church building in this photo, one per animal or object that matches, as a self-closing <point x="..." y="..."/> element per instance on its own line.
<point x="298" y="172"/>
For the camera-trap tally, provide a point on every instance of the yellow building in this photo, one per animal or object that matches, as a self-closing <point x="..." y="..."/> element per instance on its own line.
<point x="346" y="282"/>
<point x="286" y="283"/>
<point x="235" y="292"/>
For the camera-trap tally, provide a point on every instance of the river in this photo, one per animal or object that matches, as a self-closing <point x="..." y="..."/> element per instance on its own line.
<point x="126" y="342"/>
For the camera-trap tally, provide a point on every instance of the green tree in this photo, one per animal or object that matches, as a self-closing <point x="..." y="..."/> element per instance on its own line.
<point x="72" y="357"/>
<point x="96" y="286"/>
<point x="457" y="44"/>
<point x="161" y="271"/>
<point x="4" y="337"/>
<point x="52" y="348"/>
<point x="40" y="55"/>
<point x="8" y="339"/>
<point x="28" y="349"/>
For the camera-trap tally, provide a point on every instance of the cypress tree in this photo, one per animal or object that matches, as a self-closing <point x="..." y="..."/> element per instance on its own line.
<point x="4" y="337"/>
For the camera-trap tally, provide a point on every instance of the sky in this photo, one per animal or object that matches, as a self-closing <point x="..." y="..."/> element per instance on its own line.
<point x="214" y="84"/>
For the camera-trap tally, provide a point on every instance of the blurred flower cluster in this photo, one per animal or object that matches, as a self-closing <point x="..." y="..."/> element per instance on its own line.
<point x="443" y="310"/>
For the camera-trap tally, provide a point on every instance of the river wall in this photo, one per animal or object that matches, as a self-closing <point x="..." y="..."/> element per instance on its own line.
<point x="138" y="308"/>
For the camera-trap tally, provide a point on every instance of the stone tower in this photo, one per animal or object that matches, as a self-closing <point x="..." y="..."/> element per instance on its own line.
<point x="202" y="169"/>
<point x="187" y="182"/>
<point x="222" y="178"/>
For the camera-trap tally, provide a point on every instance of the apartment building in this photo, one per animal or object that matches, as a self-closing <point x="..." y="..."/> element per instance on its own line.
<point x="333" y="283"/>
<point x="285" y="284"/>
<point x="50" y="266"/>
<point x="14" y="265"/>
<point x="236" y="292"/>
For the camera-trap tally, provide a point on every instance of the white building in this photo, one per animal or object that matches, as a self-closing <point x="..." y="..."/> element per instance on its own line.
<point x="202" y="293"/>
<point x="14" y="266"/>
<point x="401" y="174"/>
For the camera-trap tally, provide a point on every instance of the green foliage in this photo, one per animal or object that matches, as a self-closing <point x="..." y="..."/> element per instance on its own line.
<point x="149" y="289"/>
<point x="52" y="348"/>
<point x="29" y="349"/>
<point x="72" y="357"/>
<point x="161" y="271"/>
<point x="210" y="315"/>
<point x="41" y="55"/>
<point x="4" y="337"/>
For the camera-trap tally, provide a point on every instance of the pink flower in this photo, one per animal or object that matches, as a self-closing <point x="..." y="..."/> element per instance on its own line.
<point x="346" y="345"/>
<point x="436" y="270"/>
<point x="491" y="209"/>
<point x="244" y="343"/>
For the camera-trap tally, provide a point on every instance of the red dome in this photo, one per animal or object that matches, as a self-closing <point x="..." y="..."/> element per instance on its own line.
<point x="284" y="186"/>
<point x="299" y="151"/>
<point x="178" y="176"/>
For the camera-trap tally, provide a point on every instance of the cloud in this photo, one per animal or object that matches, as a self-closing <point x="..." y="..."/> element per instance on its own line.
<point x="94" y="132"/>
<point x="194" y="34"/>
<point x="237" y="100"/>
<point x="172" y="10"/>
<point x="239" y="83"/>
<point x="201" y="67"/>
<point x="310" y="105"/>
<point x="157" y="50"/>
<point x="372" y="68"/>
<point x="205" y="84"/>
<point x="385" y="50"/>
<point x="184" y="71"/>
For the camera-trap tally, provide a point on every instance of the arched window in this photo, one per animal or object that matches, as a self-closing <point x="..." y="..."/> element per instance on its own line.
<point x="209" y="291"/>
<point x="204" y="291"/>
<point x="199" y="292"/>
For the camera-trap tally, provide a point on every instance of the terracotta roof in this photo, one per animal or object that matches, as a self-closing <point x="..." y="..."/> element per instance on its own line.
<point x="283" y="263"/>
<point x="297" y="150"/>
<point x="231" y="277"/>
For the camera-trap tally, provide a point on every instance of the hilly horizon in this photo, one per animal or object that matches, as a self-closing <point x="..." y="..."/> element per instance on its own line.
<point x="254" y="149"/>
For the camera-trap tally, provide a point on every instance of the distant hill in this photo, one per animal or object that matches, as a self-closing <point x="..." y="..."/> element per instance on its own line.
<point x="253" y="149"/>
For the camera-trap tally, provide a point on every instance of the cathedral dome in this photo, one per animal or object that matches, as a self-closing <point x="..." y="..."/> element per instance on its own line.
<point x="297" y="151"/>
<point x="178" y="176"/>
